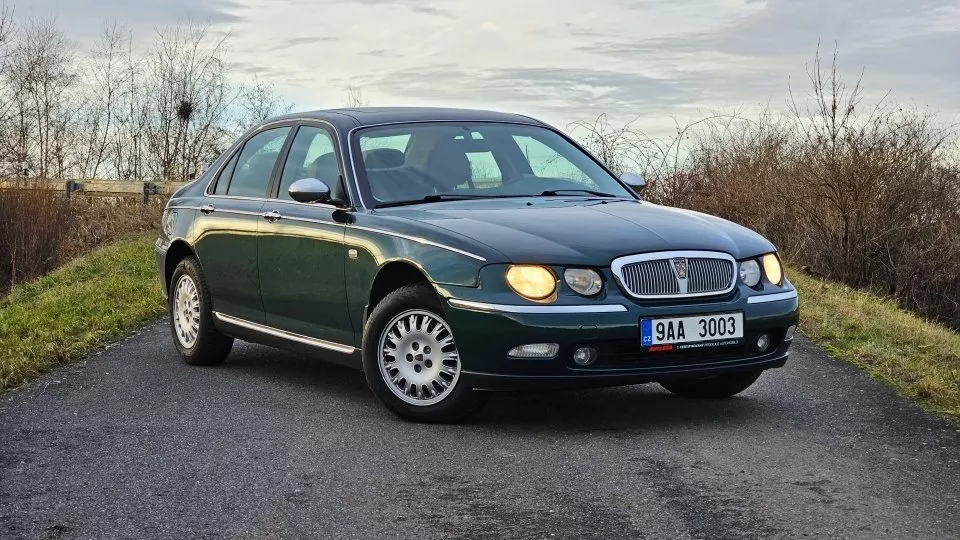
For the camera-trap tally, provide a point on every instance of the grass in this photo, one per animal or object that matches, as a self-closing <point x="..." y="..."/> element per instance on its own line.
<point x="919" y="359"/>
<point x="81" y="306"/>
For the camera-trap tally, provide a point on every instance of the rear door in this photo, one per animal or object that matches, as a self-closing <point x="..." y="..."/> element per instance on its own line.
<point x="227" y="226"/>
<point x="301" y="249"/>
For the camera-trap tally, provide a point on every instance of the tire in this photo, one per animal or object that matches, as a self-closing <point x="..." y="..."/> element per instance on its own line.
<point x="716" y="387"/>
<point x="195" y="337"/>
<point x="410" y="323"/>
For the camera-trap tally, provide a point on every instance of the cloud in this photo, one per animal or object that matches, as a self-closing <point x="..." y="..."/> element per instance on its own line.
<point x="302" y="40"/>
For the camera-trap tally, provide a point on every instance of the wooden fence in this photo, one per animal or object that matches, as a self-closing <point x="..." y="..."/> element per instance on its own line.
<point x="98" y="188"/>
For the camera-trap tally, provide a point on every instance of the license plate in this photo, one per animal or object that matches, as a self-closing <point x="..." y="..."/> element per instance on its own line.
<point x="692" y="331"/>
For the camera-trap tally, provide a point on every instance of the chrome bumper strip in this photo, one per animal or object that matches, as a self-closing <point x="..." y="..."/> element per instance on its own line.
<point x="764" y="298"/>
<point x="510" y="308"/>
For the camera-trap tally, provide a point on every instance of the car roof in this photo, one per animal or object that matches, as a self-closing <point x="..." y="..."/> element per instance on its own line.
<point x="349" y="118"/>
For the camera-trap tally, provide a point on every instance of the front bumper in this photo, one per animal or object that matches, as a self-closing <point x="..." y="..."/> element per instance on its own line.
<point x="485" y="333"/>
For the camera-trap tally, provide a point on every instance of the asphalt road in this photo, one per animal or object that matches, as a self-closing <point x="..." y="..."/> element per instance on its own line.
<point x="133" y="444"/>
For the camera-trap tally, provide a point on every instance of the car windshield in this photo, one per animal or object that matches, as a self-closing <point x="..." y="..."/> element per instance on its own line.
<point x="426" y="162"/>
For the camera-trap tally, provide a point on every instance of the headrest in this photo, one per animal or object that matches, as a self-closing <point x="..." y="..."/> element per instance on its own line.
<point x="383" y="158"/>
<point x="448" y="165"/>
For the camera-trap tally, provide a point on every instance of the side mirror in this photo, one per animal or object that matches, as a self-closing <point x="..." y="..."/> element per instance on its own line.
<point x="309" y="190"/>
<point x="635" y="181"/>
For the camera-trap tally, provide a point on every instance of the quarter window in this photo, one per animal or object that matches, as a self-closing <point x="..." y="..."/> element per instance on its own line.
<point x="311" y="156"/>
<point x="224" y="180"/>
<point x="255" y="163"/>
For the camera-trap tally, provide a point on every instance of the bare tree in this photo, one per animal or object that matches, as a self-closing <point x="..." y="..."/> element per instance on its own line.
<point x="189" y="99"/>
<point x="355" y="97"/>
<point x="257" y="102"/>
<point x="40" y="74"/>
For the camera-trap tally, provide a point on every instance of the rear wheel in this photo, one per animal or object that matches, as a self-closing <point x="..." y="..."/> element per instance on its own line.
<point x="191" y="318"/>
<point x="411" y="361"/>
<point x="715" y="387"/>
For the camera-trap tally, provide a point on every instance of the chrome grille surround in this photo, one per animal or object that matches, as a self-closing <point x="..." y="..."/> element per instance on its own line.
<point x="676" y="274"/>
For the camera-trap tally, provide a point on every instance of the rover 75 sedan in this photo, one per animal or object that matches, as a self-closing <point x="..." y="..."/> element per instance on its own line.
<point x="453" y="253"/>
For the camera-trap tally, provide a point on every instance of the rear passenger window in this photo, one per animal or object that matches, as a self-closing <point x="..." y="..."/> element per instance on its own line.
<point x="254" y="166"/>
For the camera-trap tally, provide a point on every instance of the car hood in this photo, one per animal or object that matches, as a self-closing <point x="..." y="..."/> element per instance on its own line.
<point x="588" y="232"/>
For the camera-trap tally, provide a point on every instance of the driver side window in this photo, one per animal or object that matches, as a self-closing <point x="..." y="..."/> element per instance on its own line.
<point x="311" y="155"/>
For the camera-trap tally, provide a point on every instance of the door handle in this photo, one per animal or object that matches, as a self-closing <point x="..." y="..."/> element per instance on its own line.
<point x="272" y="216"/>
<point x="207" y="209"/>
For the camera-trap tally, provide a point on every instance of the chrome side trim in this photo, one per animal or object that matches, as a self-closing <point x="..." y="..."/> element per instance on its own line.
<point x="618" y="264"/>
<point x="178" y="207"/>
<point x="241" y="212"/>
<point x="510" y="308"/>
<point x="329" y="345"/>
<point x="419" y="240"/>
<point x="776" y="297"/>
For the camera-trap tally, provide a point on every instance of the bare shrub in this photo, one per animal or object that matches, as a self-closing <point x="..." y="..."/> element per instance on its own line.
<point x="40" y="229"/>
<point x="33" y="227"/>
<point x="864" y="195"/>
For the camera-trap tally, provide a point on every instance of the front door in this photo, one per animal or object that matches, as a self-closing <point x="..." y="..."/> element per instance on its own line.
<point x="301" y="249"/>
<point x="227" y="227"/>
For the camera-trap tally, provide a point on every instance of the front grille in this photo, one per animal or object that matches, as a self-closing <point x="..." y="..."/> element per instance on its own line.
<point x="708" y="275"/>
<point x="675" y="274"/>
<point x="651" y="277"/>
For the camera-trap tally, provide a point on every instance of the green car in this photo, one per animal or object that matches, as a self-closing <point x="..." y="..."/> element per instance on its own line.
<point x="453" y="253"/>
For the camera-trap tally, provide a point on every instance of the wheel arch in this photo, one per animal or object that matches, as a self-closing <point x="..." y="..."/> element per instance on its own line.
<point x="390" y="277"/>
<point x="178" y="251"/>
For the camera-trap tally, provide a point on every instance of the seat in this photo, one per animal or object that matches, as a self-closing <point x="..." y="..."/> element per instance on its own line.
<point x="447" y="165"/>
<point x="325" y="168"/>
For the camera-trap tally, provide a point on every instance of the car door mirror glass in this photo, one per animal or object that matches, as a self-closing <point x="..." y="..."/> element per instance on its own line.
<point x="309" y="190"/>
<point x="635" y="181"/>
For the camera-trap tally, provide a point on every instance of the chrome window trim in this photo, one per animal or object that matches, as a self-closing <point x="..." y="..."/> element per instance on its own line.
<point x="775" y="297"/>
<point x="617" y="267"/>
<point x="276" y="332"/>
<point x="512" y="308"/>
<point x="235" y="147"/>
<point x="418" y="240"/>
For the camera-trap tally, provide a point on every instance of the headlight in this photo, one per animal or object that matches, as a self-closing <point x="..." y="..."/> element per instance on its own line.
<point x="583" y="281"/>
<point x="167" y="222"/>
<point x="772" y="268"/>
<point x="536" y="283"/>
<point x="750" y="273"/>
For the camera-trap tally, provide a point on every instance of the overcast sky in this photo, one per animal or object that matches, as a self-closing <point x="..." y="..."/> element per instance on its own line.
<point x="561" y="60"/>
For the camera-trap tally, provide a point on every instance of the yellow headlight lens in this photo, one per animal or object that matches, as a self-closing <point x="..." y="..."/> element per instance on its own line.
<point x="772" y="268"/>
<point x="533" y="282"/>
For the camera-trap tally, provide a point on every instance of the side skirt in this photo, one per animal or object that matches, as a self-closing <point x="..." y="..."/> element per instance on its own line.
<point x="274" y="337"/>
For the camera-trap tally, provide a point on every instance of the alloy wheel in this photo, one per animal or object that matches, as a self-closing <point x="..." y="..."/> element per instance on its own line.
<point x="186" y="311"/>
<point x="418" y="358"/>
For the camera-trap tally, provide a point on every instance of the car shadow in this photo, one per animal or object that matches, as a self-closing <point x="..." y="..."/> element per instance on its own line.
<point x="625" y="408"/>
<point x="636" y="407"/>
<point x="298" y="371"/>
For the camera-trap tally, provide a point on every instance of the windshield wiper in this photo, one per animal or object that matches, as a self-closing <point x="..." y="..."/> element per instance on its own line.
<point x="437" y="197"/>
<point x="555" y="192"/>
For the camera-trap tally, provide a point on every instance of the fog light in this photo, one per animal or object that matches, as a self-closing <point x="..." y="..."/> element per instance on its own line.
<point x="789" y="335"/>
<point x="535" y="350"/>
<point x="584" y="356"/>
<point x="763" y="342"/>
